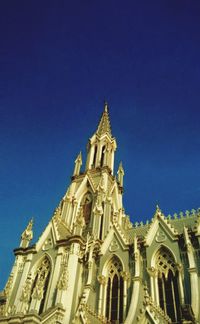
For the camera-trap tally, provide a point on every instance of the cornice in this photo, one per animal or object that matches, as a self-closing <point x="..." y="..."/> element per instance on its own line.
<point x="25" y="251"/>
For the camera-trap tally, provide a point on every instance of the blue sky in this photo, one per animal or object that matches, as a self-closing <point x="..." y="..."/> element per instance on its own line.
<point x="59" y="61"/>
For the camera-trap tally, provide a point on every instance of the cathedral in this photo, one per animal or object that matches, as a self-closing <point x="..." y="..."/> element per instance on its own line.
<point x="93" y="265"/>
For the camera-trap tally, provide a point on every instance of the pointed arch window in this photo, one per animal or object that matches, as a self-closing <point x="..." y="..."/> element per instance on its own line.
<point x="168" y="284"/>
<point x="102" y="155"/>
<point x="114" y="293"/>
<point x="40" y="283"/>
<point x="86" y="204"/>
<point x="94" y="156"/>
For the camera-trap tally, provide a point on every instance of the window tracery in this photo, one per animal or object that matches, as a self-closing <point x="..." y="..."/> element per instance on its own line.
<point x="168" y="284"/>
<point x="115" y="288"/>
<point x="40" y="283"/>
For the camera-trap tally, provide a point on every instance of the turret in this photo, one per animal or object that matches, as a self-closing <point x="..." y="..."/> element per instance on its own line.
<point x="102" y="145"/>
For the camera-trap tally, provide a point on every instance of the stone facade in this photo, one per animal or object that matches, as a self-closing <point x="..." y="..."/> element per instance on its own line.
<point x="92" y="265"/>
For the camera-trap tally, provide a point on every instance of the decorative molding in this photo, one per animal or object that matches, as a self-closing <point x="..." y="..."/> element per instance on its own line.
<point x="114" y="246"/>
<point x="160" y="237"/>
<point x="102" y="280"/>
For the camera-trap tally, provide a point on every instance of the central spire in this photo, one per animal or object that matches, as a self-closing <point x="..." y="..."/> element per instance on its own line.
<point x="102" y="145"/>
<point x="104" y="124"/>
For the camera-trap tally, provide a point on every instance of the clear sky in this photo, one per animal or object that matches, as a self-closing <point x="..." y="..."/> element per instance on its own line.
<point x="59" y="61"/>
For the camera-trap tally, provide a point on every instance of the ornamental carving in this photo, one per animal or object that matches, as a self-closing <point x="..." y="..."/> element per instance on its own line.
<point x="26" y="290"/>
<point x="3" y="310"/>
<point x="160" y="237"/>
<point x="41" y="277"/>
<point x="39" y="289"/>
<point x="9" y="285"/>
<point x="113" y="246"/>
<point x="98" y="206"/>
<point x="152" y="271"/>
<point x="75" y="249"/>
<point x="21" y="264"/>
<point x="64" y="279"/>
<point x="179" y="267"/>
<point x="47" y="244"/>
<point x="80" y="221"/>
<point x="27" y="235"/>
<point x="136" y="256"/>
<point x="127" y="223"/>
<point x="57" y="213"/>
<point x="125" y="275"/>
<point x="64" y="257"/>
<point x="102" y="280"/>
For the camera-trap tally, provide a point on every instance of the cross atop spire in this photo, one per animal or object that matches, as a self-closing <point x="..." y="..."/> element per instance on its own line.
<point x="104" y="124"/>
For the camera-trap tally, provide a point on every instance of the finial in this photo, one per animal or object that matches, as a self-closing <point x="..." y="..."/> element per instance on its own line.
<point x="158" y="210"/>
<point x="79" y="157"/>
<point x="105" y="106"/>
<point x="121" y="169"/>
<point x="27" y="235"/>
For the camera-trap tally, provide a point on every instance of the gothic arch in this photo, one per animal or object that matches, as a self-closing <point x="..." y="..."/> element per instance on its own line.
<point x="38" y="262"/>
<point x="164" y="246"/>
<point x="86" y="205"/>
<point x="113" y="294"/>
<point x="41" y="273"/>
<point x="109" y="260"/>
<point x="166" y="282"/>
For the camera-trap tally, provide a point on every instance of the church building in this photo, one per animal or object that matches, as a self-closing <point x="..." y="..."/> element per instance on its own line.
<point x="93" y="265"/>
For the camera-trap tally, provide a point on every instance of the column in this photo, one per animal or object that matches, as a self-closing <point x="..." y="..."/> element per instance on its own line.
<point x="75" y="204"/>
<point x="126" y="276"/>
<point x="154" y="284"/>
<point x="180" y="282"/>
<point x="25" y="271"/>
<point x="55" y="276"/>
<point x="68" y="294"/>
<point x="102" y="281"/>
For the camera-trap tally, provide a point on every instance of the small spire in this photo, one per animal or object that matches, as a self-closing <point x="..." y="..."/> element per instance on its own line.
<point x="105" y="106"/>
<point x="78" y="164"/>
<point x="27" y="235"/>
<point x="121" y="169"/>
<point x="104" y="124"/>
<point x="79" y="158"/>
<point x="120" y="174"/>
<point x="158" y="210"/>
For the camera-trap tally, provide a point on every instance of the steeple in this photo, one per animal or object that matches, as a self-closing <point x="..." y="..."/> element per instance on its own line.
<point x="104" y="124"/>
<point x="102" y="145"/>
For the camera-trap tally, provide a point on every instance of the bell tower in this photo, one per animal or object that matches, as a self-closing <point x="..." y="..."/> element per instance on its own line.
<point x="102" y="145"/>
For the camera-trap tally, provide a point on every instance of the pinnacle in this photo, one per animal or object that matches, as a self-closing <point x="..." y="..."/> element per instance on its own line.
<point x="104" y="124"/>
<point x="120" y="169"/>
<point x="79" y="157"/>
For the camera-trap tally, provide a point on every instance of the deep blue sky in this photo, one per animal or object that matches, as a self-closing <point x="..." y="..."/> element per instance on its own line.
<point x="59" y="60"/>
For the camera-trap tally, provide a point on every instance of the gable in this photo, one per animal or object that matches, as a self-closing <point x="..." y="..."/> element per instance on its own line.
<point x="160" y="230"/>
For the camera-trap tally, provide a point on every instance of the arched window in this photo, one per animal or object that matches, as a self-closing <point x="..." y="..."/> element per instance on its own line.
<point x="114" y="297"/>
<point x="94" y="156"/>
<point x="40" y="283"/>
<point x="101" y="224"/>
<point x="168" y="284"/>
<point x="86" y="204"/>
<point x="102" y="155"/>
